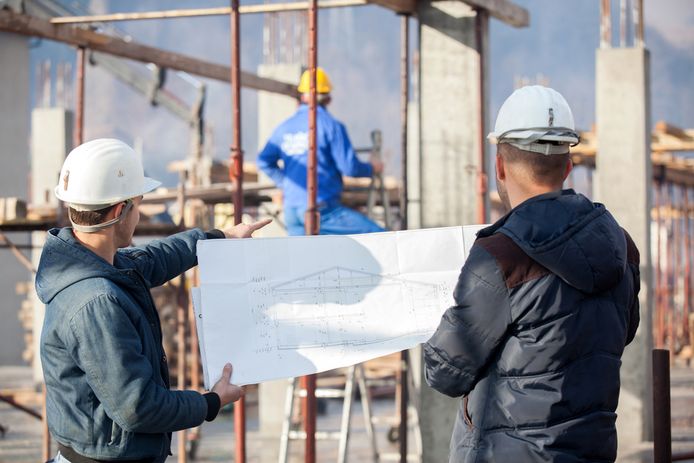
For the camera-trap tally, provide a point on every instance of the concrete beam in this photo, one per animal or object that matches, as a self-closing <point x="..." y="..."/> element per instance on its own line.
<point x="504" y="11"/>
<point x="32" y="26"/>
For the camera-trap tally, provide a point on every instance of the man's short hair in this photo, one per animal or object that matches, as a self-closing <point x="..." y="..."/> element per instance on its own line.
<point x="90" y="217"/>
<point x="544" y="169"/>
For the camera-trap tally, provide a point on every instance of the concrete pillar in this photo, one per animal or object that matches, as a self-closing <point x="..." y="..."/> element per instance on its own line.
<point x="14" y="151"/>
<point x="51" y="140"/>
<point x="449" y="145"/>
<point x="449" y="94"/>
<point x="272" y="110"/>
<point x="624" y="184"/>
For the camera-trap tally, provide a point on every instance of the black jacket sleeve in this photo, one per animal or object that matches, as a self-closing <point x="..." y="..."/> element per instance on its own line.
<point x="471" y="331"/>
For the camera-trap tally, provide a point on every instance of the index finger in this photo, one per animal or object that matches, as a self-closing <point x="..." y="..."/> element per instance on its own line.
<point x="259" y="224"/>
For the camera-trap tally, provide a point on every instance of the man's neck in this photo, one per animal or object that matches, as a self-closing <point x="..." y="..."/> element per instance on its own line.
<point x="520" y="195"/>
<point x="100" y="243"/>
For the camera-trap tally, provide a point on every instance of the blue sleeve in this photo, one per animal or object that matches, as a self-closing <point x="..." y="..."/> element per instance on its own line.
<point x="344" y="155"/>
<point x="268" y="162"/>
<point x="471" y="331"/>
<point x="124" y="382"/>
<point x="164" y="259"/>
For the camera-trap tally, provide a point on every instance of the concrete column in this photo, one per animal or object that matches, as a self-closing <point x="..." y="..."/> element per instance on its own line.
<point x="272" y="110"/>
<point x="14" y="151"/>
<point x="51" y="140"/>
<point x="449" y="145"/>
<point x="624" y="184"/>
<point x="449" y="94"/>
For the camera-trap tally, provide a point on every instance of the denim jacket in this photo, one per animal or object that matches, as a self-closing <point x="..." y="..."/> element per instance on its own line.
<point x="107" y="381"/>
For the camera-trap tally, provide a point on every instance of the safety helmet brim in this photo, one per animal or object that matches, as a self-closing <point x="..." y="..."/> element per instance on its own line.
<point x="567" y="137"/>
<point x="87" y="204"/>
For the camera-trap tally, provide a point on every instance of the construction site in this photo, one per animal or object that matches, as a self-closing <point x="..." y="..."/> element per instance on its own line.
<point x="173" y="80"/>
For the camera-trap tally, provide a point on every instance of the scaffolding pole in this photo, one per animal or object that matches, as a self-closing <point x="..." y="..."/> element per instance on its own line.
<point x="202" y="12"/>
<point x="78" y="133"/>
<point x="236" y="175"/>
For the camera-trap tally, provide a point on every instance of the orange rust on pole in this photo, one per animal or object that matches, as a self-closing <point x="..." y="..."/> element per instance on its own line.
<point x="481" y="25"/>
<point x="236" y="164"/>
<point x="311" y="218"/>
<point x="605" y="24"/>
<point x="236" y="175"/>
<point x="78" y="132"/>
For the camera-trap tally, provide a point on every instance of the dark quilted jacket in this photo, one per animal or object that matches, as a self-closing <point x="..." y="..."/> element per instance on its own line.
<point x="545" y="304"/>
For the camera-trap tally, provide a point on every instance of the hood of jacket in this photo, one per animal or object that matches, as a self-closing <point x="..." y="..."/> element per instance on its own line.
<point x="574" y="238"/>
<point x="64" y="262"/>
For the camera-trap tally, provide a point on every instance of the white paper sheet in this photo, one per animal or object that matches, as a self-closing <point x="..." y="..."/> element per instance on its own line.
<point x="283" y="307"/>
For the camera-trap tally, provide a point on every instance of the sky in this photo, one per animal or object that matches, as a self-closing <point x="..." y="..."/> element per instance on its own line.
<point x="360" y="49"/>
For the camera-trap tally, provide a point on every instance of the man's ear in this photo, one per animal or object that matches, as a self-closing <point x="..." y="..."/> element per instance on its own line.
<point x="500" y="168"/>
<point x="116" y="211"/>
<point x="569" y="168"/>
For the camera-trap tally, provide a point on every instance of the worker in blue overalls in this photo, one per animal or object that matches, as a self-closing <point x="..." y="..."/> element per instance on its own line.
<point x="335" y="156"/>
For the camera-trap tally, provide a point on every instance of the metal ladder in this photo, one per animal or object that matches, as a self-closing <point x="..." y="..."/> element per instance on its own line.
<point x="354" y="373"/>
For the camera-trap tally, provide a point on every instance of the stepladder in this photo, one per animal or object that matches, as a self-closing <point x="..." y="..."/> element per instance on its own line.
<point x="356" y="379"/>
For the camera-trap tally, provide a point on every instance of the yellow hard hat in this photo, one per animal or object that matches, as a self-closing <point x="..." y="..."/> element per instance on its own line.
<point x="323" y="84"/>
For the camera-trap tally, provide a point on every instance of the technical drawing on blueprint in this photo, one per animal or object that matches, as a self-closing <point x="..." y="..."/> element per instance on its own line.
<point x="282" y="307"/>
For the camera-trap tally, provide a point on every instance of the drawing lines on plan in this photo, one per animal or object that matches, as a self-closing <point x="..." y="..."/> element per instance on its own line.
<point x="326" y="308"/>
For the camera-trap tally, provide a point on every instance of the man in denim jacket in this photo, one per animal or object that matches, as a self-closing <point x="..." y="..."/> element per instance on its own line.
<point x="107" y="380"/>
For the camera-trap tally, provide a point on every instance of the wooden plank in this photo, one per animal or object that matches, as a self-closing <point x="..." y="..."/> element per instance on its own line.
<point x="32" y="26"/>
<point x="398" y="6"/>
<point x="503" y="10"/>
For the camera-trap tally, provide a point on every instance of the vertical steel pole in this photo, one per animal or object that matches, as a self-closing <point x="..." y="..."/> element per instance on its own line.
<point x="78" y="132"/>
<point x="605" y="24"/>
<point x="687" y="263"/>
<point x="669" y="275"/>
<point x="312" y="218"/>
<point x="622" y="23"/>
<point x="404" y="101"/>
<point x="181" y="306"/>
<point x="404" y="107"/>
<point x="662" y="439"/>
<point x="237" y="174"/>
<point x="46" y="444"/>
<point x="660" y="315"/>
<point x="481" y="28"/>
<point x="638" y="23"/>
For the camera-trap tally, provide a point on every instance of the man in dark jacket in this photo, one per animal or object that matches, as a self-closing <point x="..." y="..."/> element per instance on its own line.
<point x="544" y="306"/>
<point x="107" y="380"/>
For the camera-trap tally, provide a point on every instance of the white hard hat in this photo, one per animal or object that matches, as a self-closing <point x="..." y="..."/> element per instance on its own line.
<point x="100" y="173"/>
<point x="533" y="116"/>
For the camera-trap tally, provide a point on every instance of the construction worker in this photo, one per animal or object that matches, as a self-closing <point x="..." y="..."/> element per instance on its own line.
<point x="335" y="158"/>
<point x="544" y="306"/>
<point x="106" y="375"/>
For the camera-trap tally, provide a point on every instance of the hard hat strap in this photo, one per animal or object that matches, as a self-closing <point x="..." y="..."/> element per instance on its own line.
<point x="101" y="226"/>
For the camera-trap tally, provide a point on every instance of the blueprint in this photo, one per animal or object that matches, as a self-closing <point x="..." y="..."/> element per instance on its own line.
<point x="284" y="307"/>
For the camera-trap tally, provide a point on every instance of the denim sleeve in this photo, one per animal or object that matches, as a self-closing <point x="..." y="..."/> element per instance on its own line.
<point x="344" y="155"/>
<point x="471" y="331"/>
<point x="106" y="345"/>
<point x="164" y="259"/>
<point x="268" y="162"/>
